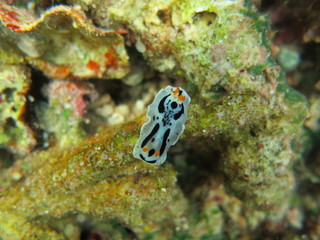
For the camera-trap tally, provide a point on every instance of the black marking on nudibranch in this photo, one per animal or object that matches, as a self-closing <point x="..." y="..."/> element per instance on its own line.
<point x="161" y="104"/>
<point x="153" y="132"/>
<point x="164" y="141"/>
<point x="174" y="105"/>
<point x="178" y="115"/>
<point x="142" y="157"/>
<point x="151" y="152"/>
<point x="167" y="115"/>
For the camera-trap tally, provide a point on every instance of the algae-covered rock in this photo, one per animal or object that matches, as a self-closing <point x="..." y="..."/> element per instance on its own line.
<point x="14" y="85"/>
<point x="313" y="122"/>
<point x="212" y="44"/>
<point x="99" y="178"/>
<point x="63" y="43"/>
<point x="64" y="113"/>
<point x="221" y="48"/>
<point x="242" y="120"/>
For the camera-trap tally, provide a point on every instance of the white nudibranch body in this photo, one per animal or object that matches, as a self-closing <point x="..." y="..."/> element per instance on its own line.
<point x="167" y="115"/>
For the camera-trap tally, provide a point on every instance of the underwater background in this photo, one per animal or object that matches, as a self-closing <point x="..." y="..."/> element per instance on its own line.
<point x="76" y="78"/>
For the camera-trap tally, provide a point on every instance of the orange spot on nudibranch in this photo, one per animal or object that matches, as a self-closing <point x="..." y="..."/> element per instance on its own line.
<point x="181" y="98"/>
<point x="157" y="154"/>
<point x="176" y="91"/>
<point x="92" y="65"/>
<point x="145" y="149"/>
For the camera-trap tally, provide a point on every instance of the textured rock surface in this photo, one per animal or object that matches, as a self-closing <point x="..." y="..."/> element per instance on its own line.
<point x="14" y="85"/>
<point x="63" y="43"/>
<point x="99" y="178"/>
<point x="243" y="136"/>
<point x="63" y="115"/>
<point x="222" y="49"/>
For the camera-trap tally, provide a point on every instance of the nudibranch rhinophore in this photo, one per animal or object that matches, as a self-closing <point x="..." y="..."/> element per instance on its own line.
<point x="167" y="115"/>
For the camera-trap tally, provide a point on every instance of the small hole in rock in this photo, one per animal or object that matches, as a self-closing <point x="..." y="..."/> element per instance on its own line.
<point x="252" y="133"/>
<point x="8" y="93"/>
<point x="86" y="98"/>
<point x="10" y="123"/>
<point x="6" y="158"/>
<point x="204" y="18"/>
<point x="163" y="15"/>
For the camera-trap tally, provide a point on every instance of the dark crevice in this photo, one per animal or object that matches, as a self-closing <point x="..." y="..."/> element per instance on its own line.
<point x="90" y="231"/>
<point x="164" y="15"/>
<point x="252" y="133"/>
<point x="8" y="94"/>
<point x="200" y="169"/>
<point x="35" y="96"/>
<point x="6" y="158"/>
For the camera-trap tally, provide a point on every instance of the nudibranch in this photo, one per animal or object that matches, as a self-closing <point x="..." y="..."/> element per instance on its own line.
<point x="167" y="115"/>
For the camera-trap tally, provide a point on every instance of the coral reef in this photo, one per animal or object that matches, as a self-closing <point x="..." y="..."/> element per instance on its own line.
<point x="99" y="178"/>
<point x="241" y="167"/>
<point x="63" y="43"/>
<point x="64" y="112"/>
<point x="209" y="45"/>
